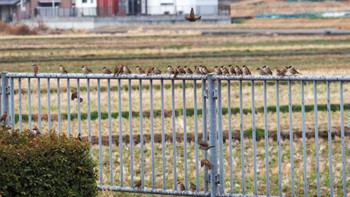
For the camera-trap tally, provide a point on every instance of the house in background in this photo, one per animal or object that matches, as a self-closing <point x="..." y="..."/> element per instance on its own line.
<point x="86" y="7"/>
<point x="179" y="7"/>
<point x="8" y="10"/>
<point x="107" y="7"/>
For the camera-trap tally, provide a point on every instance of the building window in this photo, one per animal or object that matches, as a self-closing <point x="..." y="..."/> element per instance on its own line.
<point x="165" y="4"/>
<point x="84" y="1"/>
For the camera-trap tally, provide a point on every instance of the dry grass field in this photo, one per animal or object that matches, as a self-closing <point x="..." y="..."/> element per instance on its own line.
<point x="17" y="54"/>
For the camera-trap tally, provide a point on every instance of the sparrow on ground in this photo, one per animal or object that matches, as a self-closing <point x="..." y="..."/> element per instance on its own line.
<point x="192" y="17"/>
<point x="63" y="70"/>
<point x="86" y="70"/>
<point x="75" y="96"/>
<point x="238" y="70"/>
<point x="246" y="70"/>
<point x="180" y="186"/>
<point x="105" y="70"/>
<point x="217" y="70"/>
<point x="206" y="162"/>
<point x="193" y="187"/>
<point x="139" y="70"/>
<point x="293" y="71"/>
<point x="204" y="145"/>
<point x="267" y="70"/>
<point x="260" y="71"/>
<point x="79" y="137"/>
<point x="36" y="131"/>
<point x="188" y="70"/>
<point x="35" y="69"/>
<point x="126" y="70"/>
<point x="3" y="117"/>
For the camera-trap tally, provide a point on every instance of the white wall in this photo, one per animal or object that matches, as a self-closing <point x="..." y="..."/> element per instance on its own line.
<point x="202" y="7"/>
<point x="86" y="9"/>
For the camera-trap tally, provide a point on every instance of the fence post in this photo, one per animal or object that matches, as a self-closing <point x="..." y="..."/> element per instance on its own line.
<point x="214" y="178"/>
<point x="4" y="95"/>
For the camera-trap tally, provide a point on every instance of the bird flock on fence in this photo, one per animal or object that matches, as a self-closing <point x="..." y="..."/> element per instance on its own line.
<point x="178" y="70"/>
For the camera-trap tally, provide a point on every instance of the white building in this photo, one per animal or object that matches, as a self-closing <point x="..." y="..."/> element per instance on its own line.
<point x="86" y="7"/>
<point x="159" y="7"/>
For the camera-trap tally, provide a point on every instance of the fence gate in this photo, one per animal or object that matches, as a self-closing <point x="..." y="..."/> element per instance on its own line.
<point x="271" y="136"/>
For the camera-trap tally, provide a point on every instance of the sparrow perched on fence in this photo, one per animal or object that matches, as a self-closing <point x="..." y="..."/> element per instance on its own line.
<point x="170" y="70"/>
<point x="204" y="145"/>
<point x="35" y="69"/>
<point x="267" y="70"/>
<point x="180" y="70"/>
<point x="63" y="70"/>
<point x="192" y="17"/>
<point x="193" y="187"/>
<point x="86" y="70"/>
<point x="137" y="184"/>
<point x="126" y="70"/>
<point x="217" y="70"/>
<point x="3" y="117"/>
<point x="79" y="137"/>
<point x="260" y="71"/>
<point x="231" y="69"/>
<point x="150" y="71"/>
<point x="156" y="71"/>
<point x="204" y="70"/>
<point x="282" y="72"/>
<point x="206" y="162"/>
<point x="197" y="70"/>
<point x="75" y="96"/>
<point x="224" y="70"/>
<point x="293" y="71"/>
<point x="188" y="70"/>
<point x="117" y="70"/>
<point x="180" y="186"/>
<point x="139" y="70"/>
<point x="238" y="70"/>
<point x="246" y="70"/>
<point x="105" y="70"/>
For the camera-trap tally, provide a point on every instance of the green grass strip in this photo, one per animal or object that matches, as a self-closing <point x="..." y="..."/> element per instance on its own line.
<point x="190" y="112"/>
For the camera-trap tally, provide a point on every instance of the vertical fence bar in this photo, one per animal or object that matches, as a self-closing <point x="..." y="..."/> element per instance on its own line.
<point x="230" y="133"/>
<point x="20" y="103"/>
<point x="131" y="139"/>
<point x="185" y="131"/>
<point x="174" y="131"/>
<point x="304" y="138"/>
<point x="329" y="124"/>
<point x="4" y="100"/>
<point x="220" y="139"/>
<point x="89" y="112"/>
<point x="279" y="139"/>
<point x="291" y="141"/>
<point x="241" y="135"/>
<point x="141" y="136"/>
<point x="163" y="132"/>
<point x="29" y="104"/>
<point x="152" y="133"/>
<point x="212" y="134"/>
<point x="48" y="104"/>
<point x="316" y="141"/>
<point x="110" y="132"/>
<point x="120" y="134"/>
<point x="68" y="107"/>
<point x="78" y="101"/>
<point x="39" y="104"/>
<point x="254" y="140"/>
<point x="100" y="156"/>
<point x="12" y="95"/>
<point x="196" y="131"/>
<point x="342" y="136"/>
<point x="59" y="106"/>
<point x="204" y="131"/>
<point x="266" y="134"/>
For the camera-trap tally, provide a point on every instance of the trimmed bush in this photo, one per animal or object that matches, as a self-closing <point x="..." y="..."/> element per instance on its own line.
<point x="45" y="165"/>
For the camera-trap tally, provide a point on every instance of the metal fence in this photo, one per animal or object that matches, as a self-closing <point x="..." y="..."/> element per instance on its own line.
<point x="151" y="129"/>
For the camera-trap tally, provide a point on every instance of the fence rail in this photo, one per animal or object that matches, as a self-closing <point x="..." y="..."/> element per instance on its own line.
<point x="251" y="166"/>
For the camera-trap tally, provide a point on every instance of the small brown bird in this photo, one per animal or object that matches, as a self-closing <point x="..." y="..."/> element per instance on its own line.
<point x="267" y="70"/>
<point x="193" y="187"/>
<point x="217" y="70"/>
<point x="79" y="137"/>
<point x="139" y="70"/>
<point x="35" y="69"/>
<point x="117" y="70"/>
<point x="231" y="69"/>
<point x="204" y="70"/>
<point x="86" y="70"/>
<point x="75" y="96"/>
<point x="188" y="70"/>
<point x="279" y="72"/>
<point x="238" y="70"/>
<point x="180" y="186"/>
<point x="150" y="71"/>
<point x="246" y="70"/>
<point x="293" y="71"/>
<point x="156" y="71"/>
<point x="204" y="145"/>
<point x="63" y="70"/>
<point x="206" y="162"/>
<point x="224" y="70"/>
<point x="126" y="70"/>
<point x="105" y="70"/>
<point x="3" y="117"/>
<point x="137" y="184"/>
<point x="36" y="131"/>
<point x="180" y="70"/>
<point x="170" y="69"/>
<point x="197" y="70"/>
<point x="192" y="17"/>
<point x="260" y="71"/>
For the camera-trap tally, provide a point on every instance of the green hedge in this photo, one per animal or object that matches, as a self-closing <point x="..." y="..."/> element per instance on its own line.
<point x="45" y="165"/>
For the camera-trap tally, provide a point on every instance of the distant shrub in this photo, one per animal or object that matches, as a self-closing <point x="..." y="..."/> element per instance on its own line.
<point x="17" y="29"/>
<point x="45" y="165"/>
